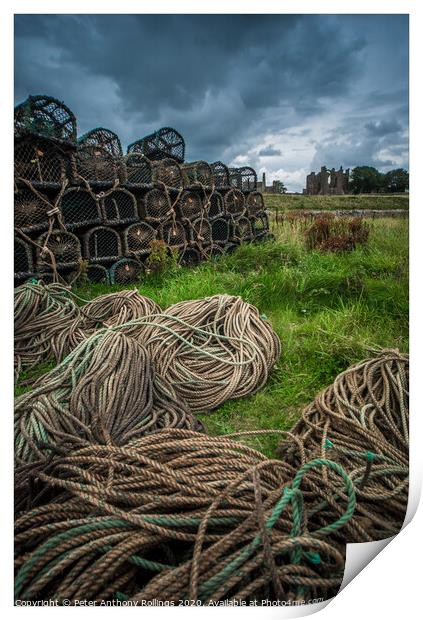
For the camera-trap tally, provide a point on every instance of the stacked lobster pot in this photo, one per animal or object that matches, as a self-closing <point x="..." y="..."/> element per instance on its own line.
<point x="84" y="211"/>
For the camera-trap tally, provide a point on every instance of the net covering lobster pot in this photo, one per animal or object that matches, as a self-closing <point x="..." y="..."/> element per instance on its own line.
<point x="102" y="245"/>
<point x="104" y="138"/>
<point x="241" y="230"/>
<point x="80" y="208"/>
<point x="126" y="271"/>
<point x="220" y="174"/>
<point x="23" y="262"/>
<point x="137" y="239"/>
<point x="63" y="245"/>
<point x="189" y="205"/>
<point x="167" y="172"/>
<point x="215" y="252"/>
<point x="244" y="178"/>
<point x="230" y="247"/>
<point x="33" y="210"/>
<point x="197" y="174"/>
<point x="95" y="166"/>
<point x="97" y="274"/>
<point x="200" y="232"/>
<point x="173" y="234"/>
<point x="190" y="257"/>
<point x="259" y="224"/>
<point x="216" y="207"/>
<point x="137" y="173"/>
<point x="155" y="206"/>
<point x="166" y="142"/>
<point x="119" y="207"/>
<point x="47" y="117"/>
<point x="234" y="203"/>
<point x="220" y="231"/>
<point x="40" y="162"/>
<point x="255" y="203"/>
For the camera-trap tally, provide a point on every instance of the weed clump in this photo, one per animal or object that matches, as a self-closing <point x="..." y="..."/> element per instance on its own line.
<point x="334" y="234"/>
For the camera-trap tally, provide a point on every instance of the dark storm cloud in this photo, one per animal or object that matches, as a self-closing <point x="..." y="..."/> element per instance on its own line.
<point x="224" y="81"/>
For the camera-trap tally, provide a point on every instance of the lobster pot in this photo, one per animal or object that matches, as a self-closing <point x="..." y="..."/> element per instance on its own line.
<point x="190" y="205"/>
<point x="155" y="206"/>
<point x="200" y="232"/>
<point x="244" y="178"/>
<point x="234" y="203"/>
<point x="230" y="247"/>
<point x="119" y="207"/>
<point x="47" y="117"/>
<point x="216" y="252"/>
<point x="126" y="271"/>
<point x="220" y="231"/>
<point x="105" y="139"/>
<point x="23" y="262"/>
<point x="173" y="234"/>
<point x="259" y="224"/>
<point x="190" y="257"/>
<point x="197" y="174"/>
<point x="220" y="174"/>
<point x="102" y="245"/>
<point x="167" y="173"/>
<point x="41" y="162"/>
<point x="97" y="274"/>
<point x="265" y="236"/>
<point x="94" y="165"/>
<point x="137" y="173"/>
<point x="31" y="211"/>
<point x="64" y="246"/>
<point x="137" y="239"/>
<point x="216" y="206"/>
<point x="241" y="230"/>
<point x="79" y="208"/>
<point x="166" y="142"/>
<point x="255" y="203"/>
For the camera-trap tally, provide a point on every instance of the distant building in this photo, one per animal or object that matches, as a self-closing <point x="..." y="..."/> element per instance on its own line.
<point x="275" y="188"/>
<point x="327" y="182"/>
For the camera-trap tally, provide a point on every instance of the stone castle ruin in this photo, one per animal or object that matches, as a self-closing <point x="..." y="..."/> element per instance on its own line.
<point x="327" y="182"/>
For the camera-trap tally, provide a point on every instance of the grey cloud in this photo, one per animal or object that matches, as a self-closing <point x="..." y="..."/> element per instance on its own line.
<point x="269" y="151"/>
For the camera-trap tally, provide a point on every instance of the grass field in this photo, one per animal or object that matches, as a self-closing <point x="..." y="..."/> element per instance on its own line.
<point x="328" y="310"/>
<point x="361" y="201"/>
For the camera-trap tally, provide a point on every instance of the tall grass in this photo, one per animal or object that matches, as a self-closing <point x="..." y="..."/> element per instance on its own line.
<point x="360" y="201"/>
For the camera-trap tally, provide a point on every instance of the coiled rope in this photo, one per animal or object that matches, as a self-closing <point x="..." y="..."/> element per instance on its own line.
<point x="121" y="307"/>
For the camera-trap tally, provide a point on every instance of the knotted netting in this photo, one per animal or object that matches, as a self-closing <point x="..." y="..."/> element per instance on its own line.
<point x="105" y="138"/>
<point x="33" y="210"/>
<point x="80" y="208"/>
<point x="58" y="249"/>
<point x="137" y="239"/>
<point x="216" y="206"/>
<point x="94" y="165"/>
<point x="220" y="174"/>
<point x="234" y="203"/>
<point x="189" y="205"/>
<point x="173" y="234"/>
<point x="119" y="207"/>
<point x="220" y="230"/>
<point x="215" y="252"/>
<point x="259" y="224"/>
<point x="167" y="173"/>
<point x="190" y="257"/>
<point x="126" y="271"/>
<point x="155" y="206"/>
<point x="102" y="244"/>
<point x="42" y="163"/>
<point x="166" y="142"/>
<point x="197" y="174"/>
<point x="243" y="178"/>
<point x="137" y="171"/>
<point x="200" y="232"/>
<point x="47" y="117"/>
<point x="23" y="261"/>
<point x="241" y="230"/>
<point x="255" y="203"/>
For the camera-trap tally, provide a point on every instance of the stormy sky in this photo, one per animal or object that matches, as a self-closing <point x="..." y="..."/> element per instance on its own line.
<point x="283" y="93"/>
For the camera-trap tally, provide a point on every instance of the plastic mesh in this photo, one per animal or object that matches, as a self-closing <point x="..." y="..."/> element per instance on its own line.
<point x="137" y="239"/>
<point x="102" y="244"/>
<point x="189" y="205"/>
<point x="31" y="212"/>
<point x="190" y="257"/>
<point x="104" y="138"/>
<point x="241" y="230"/>
<point x="40" y="162"/>
<point x="197" y="174"/>
<point x="173" y="234"/>
<point x="244" y="178"/>
<point x="220" y="174"/>
<point x="97" y="273"/>
<point x="45" y="116"/>
<point x="167" y="172"/>
<point x="220" y="231"/>
<point x="155" y="206"/>
<point x="65" y="247"/>
<point x="23" y="262"/>
<point x="216" y="206"/>
<point x="259" y="224"/>
<point x="95" y="165"/>
<point x="119" y="207"/>
<point x="201" y="232"/>
<point x="126" y="271"/>
<point x="80" y="208"/>
<point x="137" y="171"/>
<point x="234" y="203"/>
<point x="255" y="203"/>
<point x="166" y="142"/>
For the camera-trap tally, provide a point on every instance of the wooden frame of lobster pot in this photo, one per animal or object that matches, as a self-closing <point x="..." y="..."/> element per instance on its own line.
<point x="119" y="207"/>
<point x="163" y="143"/>
<point x="102" y="244"/>
<point x="137" y="239"/>
<point x="80" y="208"/>
<point x="63" y="245"/>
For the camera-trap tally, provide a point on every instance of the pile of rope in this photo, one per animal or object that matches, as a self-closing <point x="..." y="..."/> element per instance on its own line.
<point x="105" y="391"/>
<point x="210" y="350"/>
<point x="180" y="515"/>
<point x="361" y="422"/>
<point x="117" y="308"/>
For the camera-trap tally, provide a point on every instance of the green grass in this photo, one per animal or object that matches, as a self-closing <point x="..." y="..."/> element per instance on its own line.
<point x="328" y="310"/>
<point x="361" y="201"/>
